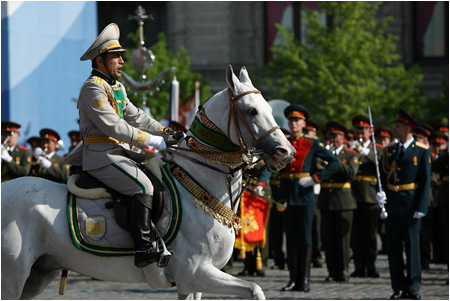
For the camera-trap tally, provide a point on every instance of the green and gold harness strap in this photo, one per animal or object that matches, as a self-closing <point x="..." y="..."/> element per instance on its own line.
<point x="205" y="200"/>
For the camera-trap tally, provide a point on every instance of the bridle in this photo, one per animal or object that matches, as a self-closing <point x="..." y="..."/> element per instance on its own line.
<point x="233" y="114"/>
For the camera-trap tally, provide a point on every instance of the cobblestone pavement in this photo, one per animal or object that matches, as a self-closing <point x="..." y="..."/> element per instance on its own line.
<point x="434" y="286"/>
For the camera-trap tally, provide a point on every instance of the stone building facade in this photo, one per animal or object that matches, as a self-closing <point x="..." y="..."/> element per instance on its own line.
<point x="218" y="33"/>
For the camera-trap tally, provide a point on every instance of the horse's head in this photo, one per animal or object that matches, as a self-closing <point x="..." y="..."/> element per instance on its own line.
<point x="242" y="113"/>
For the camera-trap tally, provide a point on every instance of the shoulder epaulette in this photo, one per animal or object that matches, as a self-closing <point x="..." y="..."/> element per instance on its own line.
<point x="310" y="137"/>
<point x="422" y="145"/>
<point x="23" y="147"/>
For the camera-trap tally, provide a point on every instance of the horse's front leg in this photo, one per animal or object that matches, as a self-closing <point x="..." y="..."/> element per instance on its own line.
<point x="209" y="279"/>
<point x="191" y="296"/>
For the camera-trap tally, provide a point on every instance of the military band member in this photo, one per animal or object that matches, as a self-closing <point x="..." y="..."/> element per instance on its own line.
<point x="405" y="175"/>
<point x="109" y="124"/>
<point x="34" y="142"/>
<point x="16" y="159"/>
<point x="311" y="130"/>
<point x="75" y="138"/>
<point x="297" y="183"/>
<point x="383" y="135"/>
<point x="440" y="215"/>
<point x="421" y="135"/>
<point x="443" y="128"/>
<point x="337" y="203"/>
<point x="47" y="164"/>
<point x="366" y="216"/>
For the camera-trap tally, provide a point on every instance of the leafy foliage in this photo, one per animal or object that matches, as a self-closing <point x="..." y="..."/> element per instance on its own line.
<point x="346" y="66"/>
<point x="158" y="99"/>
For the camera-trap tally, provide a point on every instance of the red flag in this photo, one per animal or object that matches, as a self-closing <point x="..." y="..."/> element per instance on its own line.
<point x="253" y="220"/>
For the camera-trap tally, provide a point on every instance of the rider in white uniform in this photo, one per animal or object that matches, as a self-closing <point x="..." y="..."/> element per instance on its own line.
<point x="110" y="124"/>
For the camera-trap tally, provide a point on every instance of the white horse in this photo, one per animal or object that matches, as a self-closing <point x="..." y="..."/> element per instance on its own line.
<point x="36" y="244"/>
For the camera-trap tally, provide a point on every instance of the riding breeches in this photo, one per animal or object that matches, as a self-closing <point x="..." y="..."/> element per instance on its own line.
<point x="124" y="177"/>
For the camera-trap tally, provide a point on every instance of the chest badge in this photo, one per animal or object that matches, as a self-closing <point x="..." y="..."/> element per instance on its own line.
<point x="414" y="159"/>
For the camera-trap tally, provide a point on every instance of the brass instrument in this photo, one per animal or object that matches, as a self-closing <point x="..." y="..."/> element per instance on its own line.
<point x="38" y="152"/>
<point x="5" y="145"/>
<point x="358" y="145"/>
<point x="321" y="164"/>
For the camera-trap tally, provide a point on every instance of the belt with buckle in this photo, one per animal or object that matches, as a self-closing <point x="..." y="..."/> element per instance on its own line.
<point x="293" y="176"/>
<point x="365" y="179"/>
<point x="397" y="188"/>
<point x="337" y="185"/>
<point x="99" y="139"/>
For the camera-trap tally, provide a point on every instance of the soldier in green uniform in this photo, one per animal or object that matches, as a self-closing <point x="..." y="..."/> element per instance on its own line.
<point x="110" y="124"/>
<point x="297" y="185"/>
<point x="421" y="135"/>
<point x="366" y="216"/>
<point x="383" y="136"/>
<point x="34" y="142"/>
<point x="440" y="215"/>
<point x="48" y="164"/>
<point x="337" y="203"/>
<point x="16" y="159"/>
<point x="311" y="130"/>
<point x="405" y="172"/>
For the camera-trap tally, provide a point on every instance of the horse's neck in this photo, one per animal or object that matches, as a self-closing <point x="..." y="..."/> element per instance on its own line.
<point x="215" y="182"/>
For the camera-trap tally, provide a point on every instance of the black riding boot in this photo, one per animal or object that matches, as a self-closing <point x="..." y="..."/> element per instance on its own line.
<point x="141" y="231"/>
<point x="292" y="263"/>
<point x="302" y="283"/>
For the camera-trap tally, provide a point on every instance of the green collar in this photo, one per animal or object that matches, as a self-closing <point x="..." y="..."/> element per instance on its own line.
<point x="211" y="137"/>
<point x="109" y="79"/>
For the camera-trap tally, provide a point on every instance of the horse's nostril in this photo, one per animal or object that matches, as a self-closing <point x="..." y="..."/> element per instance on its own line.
<point x="282" y="151"/>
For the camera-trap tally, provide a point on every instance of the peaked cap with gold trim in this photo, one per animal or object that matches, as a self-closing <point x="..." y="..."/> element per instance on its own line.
<point x="49" y="134"/>
<point x="336" y="127"/>
<point x="296" y="111"/>
<point x="107" y="41"/>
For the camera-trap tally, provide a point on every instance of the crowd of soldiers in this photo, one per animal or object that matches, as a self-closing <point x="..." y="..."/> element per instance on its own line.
<point x="40" y="159"/>
<point x="329" y="195"/>
<point x="332" y="206"/>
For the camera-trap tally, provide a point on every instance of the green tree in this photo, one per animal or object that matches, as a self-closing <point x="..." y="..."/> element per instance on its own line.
<point x="348" y="65"/>
<point x="158" y="99"/>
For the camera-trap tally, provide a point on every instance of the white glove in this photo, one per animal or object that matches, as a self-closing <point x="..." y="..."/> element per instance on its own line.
<point x="418" y="215"/>
<point x="381" y="198"/>
<point x="6" y="156"/>
<point x="260" y="191"/>
<point x="37" y="151"/>
<point x="158" y="143"/>
<point x="45" y="163"/>
<point x="365" y="151"/>
<point x="306" y="182"/>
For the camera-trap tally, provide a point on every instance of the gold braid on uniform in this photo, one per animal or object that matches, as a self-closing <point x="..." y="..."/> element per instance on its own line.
<point x="387" y="168"/>
<point x="214" y="154"/>
<point x="206" y="201"/>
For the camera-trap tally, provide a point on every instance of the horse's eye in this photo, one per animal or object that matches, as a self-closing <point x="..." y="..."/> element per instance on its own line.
<point x="252" y="112"/>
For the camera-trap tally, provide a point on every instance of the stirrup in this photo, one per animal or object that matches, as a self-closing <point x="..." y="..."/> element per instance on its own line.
<point x="165" y="256"/>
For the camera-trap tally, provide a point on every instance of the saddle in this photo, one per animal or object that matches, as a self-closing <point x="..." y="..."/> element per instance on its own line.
<point x="121" y="204"/>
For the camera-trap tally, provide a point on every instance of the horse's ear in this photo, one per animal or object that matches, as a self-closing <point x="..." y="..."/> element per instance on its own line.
<point x="243" y="76"/>
<point x="232" y="80"/>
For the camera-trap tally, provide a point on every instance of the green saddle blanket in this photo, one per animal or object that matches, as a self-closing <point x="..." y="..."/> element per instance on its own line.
<point x="93" y="228"/>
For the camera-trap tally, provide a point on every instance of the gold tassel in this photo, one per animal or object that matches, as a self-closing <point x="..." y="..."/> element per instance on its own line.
<point x="242" y="229"/>
<point x="63" y="281"/>
<point x="258" y="260"/>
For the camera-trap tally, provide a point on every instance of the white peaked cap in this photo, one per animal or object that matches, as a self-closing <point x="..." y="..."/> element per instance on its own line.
<point x="107" y="41"/>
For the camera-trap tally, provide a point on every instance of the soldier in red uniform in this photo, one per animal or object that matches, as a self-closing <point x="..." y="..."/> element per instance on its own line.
<point x="297" y="183"/>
